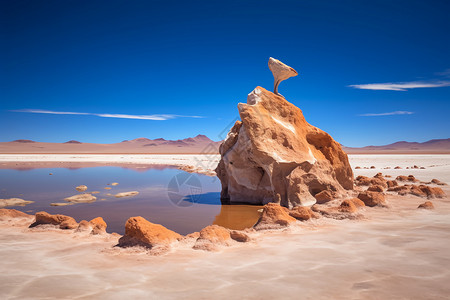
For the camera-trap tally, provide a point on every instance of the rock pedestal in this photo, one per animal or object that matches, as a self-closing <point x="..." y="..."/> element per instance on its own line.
<point x="274" y="155"/>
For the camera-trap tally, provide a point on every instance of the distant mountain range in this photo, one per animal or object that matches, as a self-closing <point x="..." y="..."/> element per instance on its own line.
<point x="198" y="144"/>
<point x="438" y="146"/>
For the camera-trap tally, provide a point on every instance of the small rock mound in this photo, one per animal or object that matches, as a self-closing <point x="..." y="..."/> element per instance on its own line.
<point x="274" y="216"/>
<point x="302" y="213"/>
<point x="7" y="214"/>
<point x="211" y="237"/>
<point x="426" y="205"/>
<point x="348" y="206"/>
<point x="239" y="236"/>
<point x="376" y="188"/>
<point x="140" y="232"/>
<point x="64" y="222"/>
<point x="323" y="196"/>
<point x="372" y="198"/>
<point x="98" y="226"/>
<point x="81" y="188"/>
<point x="81" y="198"/>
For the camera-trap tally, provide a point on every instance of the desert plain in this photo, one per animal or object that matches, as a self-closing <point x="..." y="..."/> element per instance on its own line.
<point x="397" y="251"/>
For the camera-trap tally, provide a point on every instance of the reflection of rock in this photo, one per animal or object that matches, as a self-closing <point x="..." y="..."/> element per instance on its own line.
<point x="274" y="154"/>
<point x="64" y="222"/>
<point x="237" y="217"/>
<point x="211" y="237"/>
<point x="81" y="198"/>
<point x="14" y="202"/>
<point x="140" y="232"/>
<point x="274" y="216"/>
<point x="126" y="194"/>
<point x="280" y="72"/>
<point x="426" y="205"/>
<point x="81" y="188"/>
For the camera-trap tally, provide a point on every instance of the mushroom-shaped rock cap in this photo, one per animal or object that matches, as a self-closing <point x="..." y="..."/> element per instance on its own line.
<point x="280" y="72"/>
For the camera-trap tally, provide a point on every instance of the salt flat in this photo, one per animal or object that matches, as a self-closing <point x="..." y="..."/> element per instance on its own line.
<point x="394" y="253"/>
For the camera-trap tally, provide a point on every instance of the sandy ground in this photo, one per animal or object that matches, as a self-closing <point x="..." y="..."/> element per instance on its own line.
<point x="393" y="253"/>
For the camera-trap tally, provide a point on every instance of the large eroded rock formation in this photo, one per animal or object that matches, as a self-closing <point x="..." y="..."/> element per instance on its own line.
<point x="274" y="155"/>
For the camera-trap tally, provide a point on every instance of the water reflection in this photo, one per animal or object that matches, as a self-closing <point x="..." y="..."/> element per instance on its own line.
<point x="198" y="203"/>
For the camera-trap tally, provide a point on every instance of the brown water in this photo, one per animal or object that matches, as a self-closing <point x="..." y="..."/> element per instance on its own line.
<point x="181" y="201"/>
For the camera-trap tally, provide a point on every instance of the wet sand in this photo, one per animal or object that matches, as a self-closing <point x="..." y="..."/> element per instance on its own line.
<point x="398" y="252"/>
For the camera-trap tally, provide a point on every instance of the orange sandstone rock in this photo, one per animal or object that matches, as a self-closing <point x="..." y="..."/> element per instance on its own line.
<point x="65" y="222"/>
<point x="140" y="232"/>
<point x="274" y="216"/>
<point x="426" y="205"/>
<point x="274" y="151"/>
<point x="211" y="237"/>
<point x="7" y="214"/>
<point x="98" y="225"/>
<point x="348" y="206"/>
<point x="302" y="213"/>
<point x="372" y="198"/>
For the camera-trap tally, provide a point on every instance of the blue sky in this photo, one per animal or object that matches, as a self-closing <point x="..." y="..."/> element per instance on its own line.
<point x="370" y="72"/>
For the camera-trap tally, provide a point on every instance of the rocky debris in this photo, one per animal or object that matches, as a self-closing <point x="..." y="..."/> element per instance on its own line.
<point x="239" y="236"/>
<point x="362" y="180"/>
<point x="432" y="192"/>
<point x="357" y="202"/>
<point x="410" y="178"/>
<point x="438" y="182"/>
<point x="280" y="72"/>
<point x="8" y="214"/>
<point x="211" y="237"/>
<point x="274" y="216"/>
<point x="140" y="232"/>
<point x="397" y="167"/>
<point x="372" y="198"/>
<point x="357" y="167"/>
<point x="98" y="226"/>
<point x="426" y="205"/>
<point x="348" y="207"/>
<point x="417" y="191"/>
<point x="302" y="213"/>
<point x="372" y="167"/>
<point x="81" y="198"/>
<point x="14" y="202"/>
<point x="275" y="154"/>
<point x="64" y="222"/>
<point x="193" y="235"/>
<point x="376" y="188"/>
<point x="391" y="183"/>
<point x="84" y="226"/>
<point x="323" y="197"/>
<point x="126" y="194"/>
<point x="81" y="188"/>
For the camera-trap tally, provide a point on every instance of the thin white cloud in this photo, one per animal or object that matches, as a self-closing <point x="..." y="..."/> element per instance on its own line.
<point x="162" y="117"/>
<point x="400" y="86"/>
<point x="393" y="113"/>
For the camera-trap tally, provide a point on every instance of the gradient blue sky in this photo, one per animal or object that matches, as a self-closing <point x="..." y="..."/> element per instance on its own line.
<point x="167" y="59"/>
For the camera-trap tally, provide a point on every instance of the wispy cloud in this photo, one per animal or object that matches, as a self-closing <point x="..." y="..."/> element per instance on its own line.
<point x="156" y="117"/>
<point x="400" y="86"/>
<point x="393" y="113"/>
